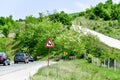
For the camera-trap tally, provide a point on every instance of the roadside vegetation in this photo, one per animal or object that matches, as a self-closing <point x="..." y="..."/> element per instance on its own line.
<point x="76" y="70"/>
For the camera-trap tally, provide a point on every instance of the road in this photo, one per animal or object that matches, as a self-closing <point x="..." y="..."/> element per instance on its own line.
<point x="20" y="71"/>
<point x="103" y="38"/>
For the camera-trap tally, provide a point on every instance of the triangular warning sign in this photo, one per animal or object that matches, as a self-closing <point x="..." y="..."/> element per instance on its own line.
<point x="49" y="44"/>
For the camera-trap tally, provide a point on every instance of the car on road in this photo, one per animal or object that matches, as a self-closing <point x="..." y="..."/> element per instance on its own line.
<point x="4" y="59"/>
<point x="30" y="58"/>
<point x="21" y="57"/>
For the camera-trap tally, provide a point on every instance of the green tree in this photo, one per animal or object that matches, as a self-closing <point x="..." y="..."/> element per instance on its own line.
<point x="109" y="2"/>
<point x="61" y="17"/>
<point x="41" y="16"/>
<point x="106" y="15"/>
<point x="31" y="19"/>
<point x="32" y="39"/>
<point x="2" y="21"/>
<point x="92" y="45"/>
<point x="6" y="30"/>
<point x="98" y="10"/>
<point x="7" y="25"/>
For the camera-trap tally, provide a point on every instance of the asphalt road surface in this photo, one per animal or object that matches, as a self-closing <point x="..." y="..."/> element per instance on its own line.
<point x="21" y="71"/>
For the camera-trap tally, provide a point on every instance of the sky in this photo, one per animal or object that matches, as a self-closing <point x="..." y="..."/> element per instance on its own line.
<point x="22" y="8"/>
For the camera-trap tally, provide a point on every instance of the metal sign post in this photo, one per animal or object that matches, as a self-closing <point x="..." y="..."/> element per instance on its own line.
<point x="49" y="44"/>
<point x="48" y="56"/>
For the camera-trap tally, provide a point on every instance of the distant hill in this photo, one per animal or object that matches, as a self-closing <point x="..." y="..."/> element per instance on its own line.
<point x="103" y="18"/>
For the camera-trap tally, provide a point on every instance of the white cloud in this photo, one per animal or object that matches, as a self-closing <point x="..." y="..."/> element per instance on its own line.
<point x="81" y="6"/>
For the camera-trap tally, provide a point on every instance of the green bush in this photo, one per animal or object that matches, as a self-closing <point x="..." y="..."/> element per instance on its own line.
<point x="89" y="58"/>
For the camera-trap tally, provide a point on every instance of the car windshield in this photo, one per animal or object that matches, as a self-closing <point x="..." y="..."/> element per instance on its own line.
<point x="1" y="54"/>
<point x="20" y="54"/>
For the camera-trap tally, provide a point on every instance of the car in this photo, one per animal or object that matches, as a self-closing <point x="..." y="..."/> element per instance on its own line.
<point x="30" y="58"/>
<point x="4" y="59"/>
<point x="21" y="57"/>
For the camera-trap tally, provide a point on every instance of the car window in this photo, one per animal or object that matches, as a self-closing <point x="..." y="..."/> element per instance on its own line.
<point x="2" y="54"/>
<point x="20" y="54"/>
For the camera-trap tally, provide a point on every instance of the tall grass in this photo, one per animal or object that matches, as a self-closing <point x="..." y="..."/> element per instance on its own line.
<point x="76" y="70"/>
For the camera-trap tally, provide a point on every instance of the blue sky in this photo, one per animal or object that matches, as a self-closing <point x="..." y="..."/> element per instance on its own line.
<point x="21" y="8"/>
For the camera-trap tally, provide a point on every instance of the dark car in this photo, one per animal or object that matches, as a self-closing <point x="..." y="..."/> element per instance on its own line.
<point x="30" y="58"/>
<point x="21" y="57"/>
<point x="4" y="59"/>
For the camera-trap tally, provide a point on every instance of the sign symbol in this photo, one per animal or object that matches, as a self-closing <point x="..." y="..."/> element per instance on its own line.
<point x="49" y="44"/>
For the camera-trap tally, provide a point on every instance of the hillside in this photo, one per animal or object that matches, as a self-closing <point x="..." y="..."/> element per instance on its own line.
<point x="103" y="18"/>
<point x="109" y="28"/>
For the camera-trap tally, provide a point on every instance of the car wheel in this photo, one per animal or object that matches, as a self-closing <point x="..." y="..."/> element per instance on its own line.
<point x="9" y="63"/>
<point x="25" y="61"/>
<point x="5" y="63"/>
<point x="15" y="62"/>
